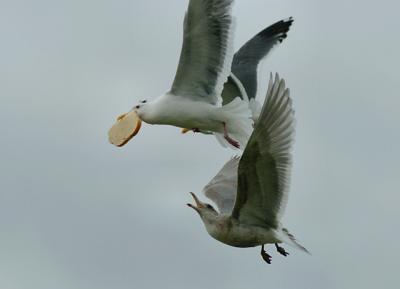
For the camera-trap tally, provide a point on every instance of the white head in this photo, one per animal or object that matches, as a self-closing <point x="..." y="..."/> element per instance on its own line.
<point x="206" y="212"/>
<point x="142" y="109"/>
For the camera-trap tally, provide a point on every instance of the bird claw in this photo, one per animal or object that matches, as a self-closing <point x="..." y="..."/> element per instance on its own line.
<point x="267" y="258"/>
<point x="281" y="250"/>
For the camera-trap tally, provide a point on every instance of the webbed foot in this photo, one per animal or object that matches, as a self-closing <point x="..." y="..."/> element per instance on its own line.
<point x="267" y="258"/>
<point x="229" y="139"/>
<point x="281" y="250"/>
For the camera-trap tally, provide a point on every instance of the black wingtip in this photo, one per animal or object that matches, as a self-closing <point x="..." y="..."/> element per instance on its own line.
<point x="278" y="29"/>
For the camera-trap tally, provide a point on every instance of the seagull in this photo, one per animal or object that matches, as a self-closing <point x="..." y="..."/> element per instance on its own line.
<point x="243" y="78"/>
<point x="251" y="192"/>
<point x="194" y="100"/>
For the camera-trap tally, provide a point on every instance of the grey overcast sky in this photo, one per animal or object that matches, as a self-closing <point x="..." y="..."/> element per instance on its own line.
<point x="76" y="212"/>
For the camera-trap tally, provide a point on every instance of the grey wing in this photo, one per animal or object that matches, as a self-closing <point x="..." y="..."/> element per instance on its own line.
<point x="247" y="58"/>
<point x="222" y="188"/>
<point x="233" y="88"/>
<point x="206" y="54"/>
<point x="264" y="169"/>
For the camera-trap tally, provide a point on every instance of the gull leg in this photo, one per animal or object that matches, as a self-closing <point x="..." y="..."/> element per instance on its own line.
<point x="229" y="139"/>
<point x="281" y="250"/>
<point x="265" y="255"/>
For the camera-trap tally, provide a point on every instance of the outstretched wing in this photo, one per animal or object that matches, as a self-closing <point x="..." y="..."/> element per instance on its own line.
<point x="264" y="169"/>
<point x="206" y="54"/>
<point x="222" y="188"/>
<point x="247" y="58"/>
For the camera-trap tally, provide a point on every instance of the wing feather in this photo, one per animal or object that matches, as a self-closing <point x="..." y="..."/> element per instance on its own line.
<point x="207" y="51"/>
<point x="264" y="169"/>
<point x="246" y="60"/>
<point x="222" y="188"/>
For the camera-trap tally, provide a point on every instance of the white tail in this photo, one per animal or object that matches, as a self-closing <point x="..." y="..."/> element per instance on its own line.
<point x="239" y="123"/>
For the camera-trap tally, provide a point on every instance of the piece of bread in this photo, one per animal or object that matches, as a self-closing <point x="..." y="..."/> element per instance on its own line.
<point x="126" y="127"/>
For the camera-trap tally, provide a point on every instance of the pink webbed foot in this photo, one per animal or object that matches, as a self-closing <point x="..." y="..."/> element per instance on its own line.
<point x="229" y="139"/>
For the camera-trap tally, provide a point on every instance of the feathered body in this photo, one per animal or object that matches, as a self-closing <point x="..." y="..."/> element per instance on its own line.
<point x="231" y="232"/>
<point x="180" y="111"/>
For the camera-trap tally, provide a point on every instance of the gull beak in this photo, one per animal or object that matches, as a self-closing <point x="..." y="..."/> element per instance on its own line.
<point x="199" y="204"/>
<point x="125" y="128"/>
<point x="138" y="126"/>
<point x="120" y="117"/>
<point x="185" y="130"/>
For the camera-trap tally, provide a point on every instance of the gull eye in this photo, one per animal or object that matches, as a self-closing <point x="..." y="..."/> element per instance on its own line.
<point x="209" y="207"/>
<point x="143" y="101"/>
<point x="137" y="107"/>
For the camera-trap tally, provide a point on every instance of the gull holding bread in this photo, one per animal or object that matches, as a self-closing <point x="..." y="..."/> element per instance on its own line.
<point x="210" y="93"/>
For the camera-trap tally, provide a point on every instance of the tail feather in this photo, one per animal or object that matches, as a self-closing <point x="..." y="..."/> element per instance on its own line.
<point x="288" y="238"/>
<point x="239" y="122"/>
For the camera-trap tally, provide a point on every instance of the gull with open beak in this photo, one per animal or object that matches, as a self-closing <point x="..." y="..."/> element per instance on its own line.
<point x="194" y="100"/>
<point x="251" y="192"/>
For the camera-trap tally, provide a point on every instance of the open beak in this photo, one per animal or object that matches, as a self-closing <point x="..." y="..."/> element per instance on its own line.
<point x="185" y="130"/>
<point x="199" y="204"/>
<point x="124" y="129"/>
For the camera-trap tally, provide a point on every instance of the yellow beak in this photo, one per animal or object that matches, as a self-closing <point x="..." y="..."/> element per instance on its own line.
<point x="197" y="201"/>
<point x="120" y="117"/>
